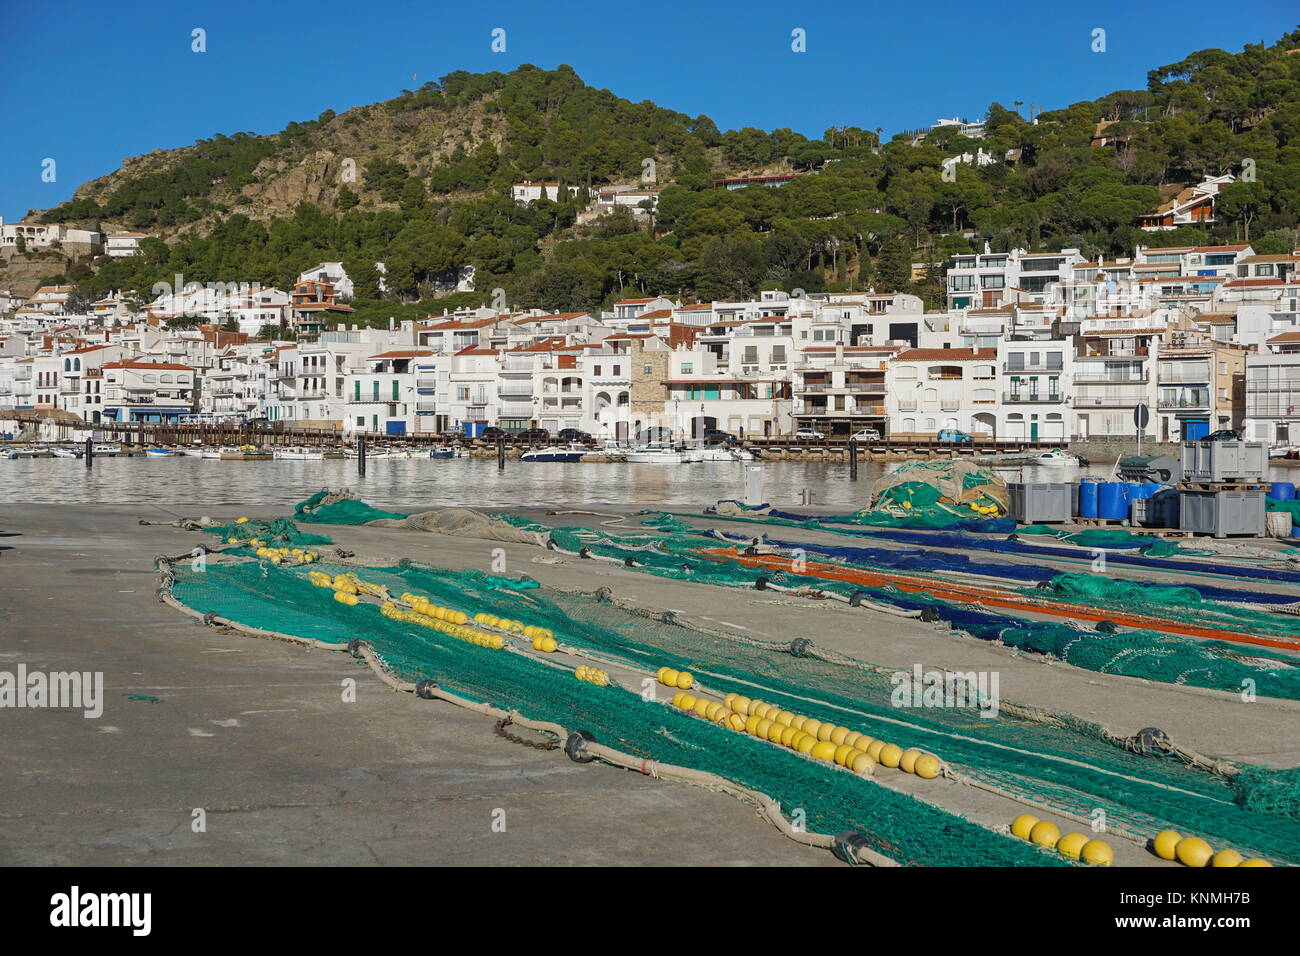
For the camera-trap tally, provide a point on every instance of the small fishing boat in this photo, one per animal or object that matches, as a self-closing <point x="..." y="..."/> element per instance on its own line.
<point x="244" y="453"/>
<point x="567" y="453"/>
<point x="298" y="453"/>
<point x="445" y="451"/>
<point x="161" y="453"/>
<point x="655" y="453"/>
<point x="63" y="451"/>
<point x="717" y="453"/>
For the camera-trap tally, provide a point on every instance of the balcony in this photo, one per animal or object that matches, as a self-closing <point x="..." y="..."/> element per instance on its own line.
<point x="1040" y="369"/>
<point x="517" y="390"/>
<point x="426" y="384"/>
<point x="909" y="406"/>
<point x="426" y="406"/>
<point x="1033" y="398"/>
<point x="1085" y="354"/>
<point x="1087" y="379"/>
<point x="516" y="410"/>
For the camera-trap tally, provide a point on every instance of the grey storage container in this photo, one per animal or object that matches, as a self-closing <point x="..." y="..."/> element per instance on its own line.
<point x="1224" y="460"/>
<point x="1222" y="513"/>
<point x="1041" y="502"/>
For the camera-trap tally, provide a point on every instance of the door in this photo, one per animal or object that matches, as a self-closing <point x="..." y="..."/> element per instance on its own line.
<point x="1033" y="431"/>
<point x="1195" y="430"/>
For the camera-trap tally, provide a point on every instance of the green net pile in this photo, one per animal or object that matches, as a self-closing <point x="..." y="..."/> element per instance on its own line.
<point x="276" y="532"/>
<point x="319" y="509"/>
<point x="1062" y="763"/>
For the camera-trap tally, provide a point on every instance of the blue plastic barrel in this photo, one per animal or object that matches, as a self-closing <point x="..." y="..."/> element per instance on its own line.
<point x="1088" y="498"/>
<point x="1282" y="491"/>
<point x="1113" y="499"/>
<point x="1141" y="489"/>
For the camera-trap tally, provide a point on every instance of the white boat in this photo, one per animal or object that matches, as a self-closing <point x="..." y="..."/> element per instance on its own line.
<point x="107" y="449"/>
<point x="655" y="453"/>
<point x="299" y="453"/>
<point x="160" y="453"/>
<point x="210" y="453"/>
<point x="192" y="452"/>
<point x="717" y="453"/>
<point x="568" y="453"/>
<point x="63" y="452"/>
<point x="1055" y="456"/>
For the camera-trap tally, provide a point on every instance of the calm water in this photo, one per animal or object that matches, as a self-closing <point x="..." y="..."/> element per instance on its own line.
<point x="194" y="484"/>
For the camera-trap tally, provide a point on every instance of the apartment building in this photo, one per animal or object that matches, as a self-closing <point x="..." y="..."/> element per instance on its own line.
<point x="1035" y="392"/>
<point x="139" y="391"/>
<point x="384" y="397"/>
<point x="840" y="389"/>
<point x="1272" y="396"/>
<point x="1201" y="388"/>
<point x="993" y="279"/>
<point x="928" y="390"/>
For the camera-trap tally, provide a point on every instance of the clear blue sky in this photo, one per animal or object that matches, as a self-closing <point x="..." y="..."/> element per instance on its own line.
<point x="89" y="83"/>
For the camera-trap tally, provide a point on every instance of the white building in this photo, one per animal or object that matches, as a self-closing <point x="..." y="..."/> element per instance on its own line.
<point x="332" y="273"/>
<point x="1273" y="392"/>
<point x="934" y="389"/>
<point x="43" y="235"/>
<point x="527" y="192"/>
<point x="121" y="245"/>
<point x="1034" y="401"/>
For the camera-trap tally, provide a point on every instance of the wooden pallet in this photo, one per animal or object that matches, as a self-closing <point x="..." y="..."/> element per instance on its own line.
<point x="1103" y="522"/>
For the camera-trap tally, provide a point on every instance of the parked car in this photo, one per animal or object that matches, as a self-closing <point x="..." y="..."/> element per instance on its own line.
<point x="954" y="435"/>
<point x="492" y="433"/>
<point x="716" y="436"/>
<point x="865" y="434"/>
<point x="809" y="434"/>
<point x="533" y="434"/>
<point x="572" y="434"/>
<point x="1223" y="434"/>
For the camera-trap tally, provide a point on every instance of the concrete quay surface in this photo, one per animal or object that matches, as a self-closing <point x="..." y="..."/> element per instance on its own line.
<point x="255" y="733"/>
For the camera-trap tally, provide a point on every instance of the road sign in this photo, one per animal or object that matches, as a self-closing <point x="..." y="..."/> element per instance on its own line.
<point x="1141" y="416"/>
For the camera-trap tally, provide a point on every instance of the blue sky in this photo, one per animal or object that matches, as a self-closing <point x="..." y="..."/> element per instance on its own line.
<point x="89" y="83"/>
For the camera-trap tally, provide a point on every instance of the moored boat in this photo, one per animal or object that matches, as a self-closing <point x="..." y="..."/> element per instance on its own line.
<point x="567" y="453"/>
<point x="298" y="453"/>
<point x="655" y="453"/>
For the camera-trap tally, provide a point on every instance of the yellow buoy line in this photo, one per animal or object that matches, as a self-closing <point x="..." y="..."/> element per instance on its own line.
<point x="856" y="752"/>
<point x="1193" y="851"/>
<point x="1075" y="846"/>
<point x="853" y="750"/>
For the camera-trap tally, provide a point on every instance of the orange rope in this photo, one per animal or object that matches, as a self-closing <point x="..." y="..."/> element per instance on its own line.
<point x="988" y="595"/>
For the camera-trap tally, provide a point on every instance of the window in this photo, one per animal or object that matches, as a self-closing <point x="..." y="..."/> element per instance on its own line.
<point x="462" y="394"/>
<point x="618" y="370"/>
<point x="647" y="369"/>
<point x="374" y="390"/>
<point x="598" y="371"/>
<point x="688" y="368"/>
<point x="361" y="419"/>
<point x="356" y="393"/>
<point x="395" y="389"/>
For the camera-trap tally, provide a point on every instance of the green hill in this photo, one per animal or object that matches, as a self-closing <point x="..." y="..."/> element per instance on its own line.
<point x="422" y="183"/>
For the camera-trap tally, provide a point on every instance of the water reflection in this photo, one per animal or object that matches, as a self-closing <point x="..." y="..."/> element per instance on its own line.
<point x="195" y="483"/>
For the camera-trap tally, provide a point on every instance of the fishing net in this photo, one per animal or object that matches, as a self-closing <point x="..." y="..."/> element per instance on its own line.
<point x="1106" y="538"/>
<point x="1143" y="652"/>
<point x="1056" y="761"/>
<point x="275" y="532"/>
<point x="339" y="507"/>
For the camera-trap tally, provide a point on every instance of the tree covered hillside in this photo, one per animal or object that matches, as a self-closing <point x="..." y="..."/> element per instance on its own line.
<point x="434" y="169"/>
